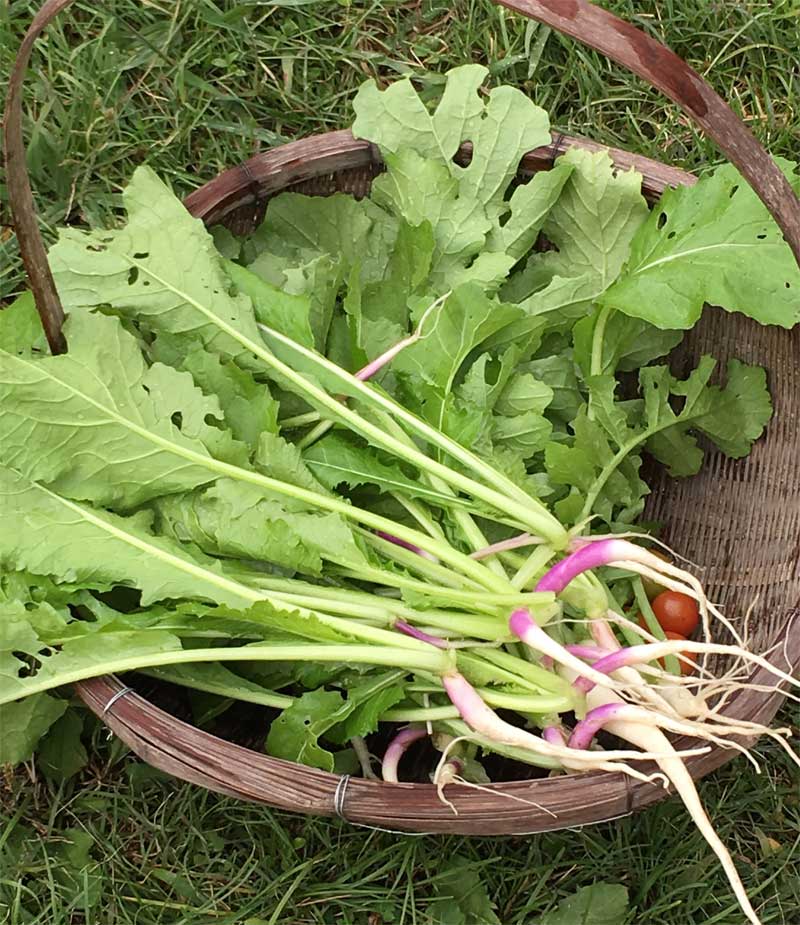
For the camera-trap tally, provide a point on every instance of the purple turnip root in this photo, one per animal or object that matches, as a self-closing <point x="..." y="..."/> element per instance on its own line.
<point x="397" y="748"/>
<point x="643" y="731"/>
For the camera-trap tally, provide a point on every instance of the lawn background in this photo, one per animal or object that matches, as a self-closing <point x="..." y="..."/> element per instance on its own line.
<point x="193" y="86"/>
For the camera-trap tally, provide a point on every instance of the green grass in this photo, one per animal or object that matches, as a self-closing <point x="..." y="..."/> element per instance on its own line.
<point x="152" y="851"/>
<point x="192" y="86"/>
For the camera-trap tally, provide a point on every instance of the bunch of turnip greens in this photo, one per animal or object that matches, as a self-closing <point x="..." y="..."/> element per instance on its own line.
<point x="203" y="488"/>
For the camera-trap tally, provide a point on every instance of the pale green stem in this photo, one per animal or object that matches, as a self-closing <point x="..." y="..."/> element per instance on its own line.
<point x="525" y="703"/>
<point x="514" y="559"/>
<point x="262" y="698"/>
<point x="472" y="533"/>
<point x="397" y="580"/>
<point x="428" y="659"/>
<point x="671" y="663"/>
<point x="434" y="570"/>
<point x="419" y="714"/>
<point x="534" y="564"/>
<point x="474" y="599"/>
<point x="465" y="625"/>
<point x="534" y="674"/>
<point x="419" y="514"/>
<point x="300" y="420"/>
<point x="606" y="473"/>
<point x="323" y="593"/>
<point x="597" y="340"/>
<point x="313" y="435"/>
<point x="611" y="466"/>
<point x="458" y="624"/>
<point x="536" y="514"/>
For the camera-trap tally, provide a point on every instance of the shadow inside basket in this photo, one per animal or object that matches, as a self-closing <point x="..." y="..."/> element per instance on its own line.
<point x="247" y="725"/>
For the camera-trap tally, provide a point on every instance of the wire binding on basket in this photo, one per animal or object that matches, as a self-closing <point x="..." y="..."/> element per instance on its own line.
<point x="118" y="696"/>
<point x="339" y="797"/>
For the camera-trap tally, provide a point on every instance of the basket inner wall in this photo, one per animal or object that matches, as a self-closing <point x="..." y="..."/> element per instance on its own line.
<point x="738" y="519"/>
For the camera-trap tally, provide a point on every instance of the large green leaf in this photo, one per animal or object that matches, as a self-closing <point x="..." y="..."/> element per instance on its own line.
<point x="160" y="267"/>
<point x="564" y="300"/>
<point x="248" y="407"/>
<point x="462" y="896"/>
<point x="337" y="460"/>
<point x="456" y="326"/>
<point x="299" y="229"/>
<point x="61" y="753"/>
<point x="280" y="459"/>
<point x="592" y="224"/>
<point x="82" y="656"/>
<point x="463" y="205"/>
<point x="310" y="286"/>
<point x="290" y="314"/>
<point x="98" y="424"/>
<point x="378" y="311"/>
<point x="20" y="328"/>
<point x="557" y="371"/>
<point x="732" y="417"/>
<point x="628" y="343"/>
<point x="294" y="734"/>
<point x="421" y="190"/>
<point x="596" y="216"/>
<point x="396" y="118"/>
<point x="75" y="543"/>
<point x="429" y="367"/>
<point x="713" y="242"/>
<point x="578" y="465"/>
<point x="529" y="206"/>
<point x="601" y="462"/>
<point x="217" y="679"/>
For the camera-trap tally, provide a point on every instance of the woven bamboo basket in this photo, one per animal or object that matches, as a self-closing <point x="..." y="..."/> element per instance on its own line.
<point x="741" y="519"/>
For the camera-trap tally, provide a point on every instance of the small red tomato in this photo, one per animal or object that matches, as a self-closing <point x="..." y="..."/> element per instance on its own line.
<point x="676" y="613"/>
<point x="686" y="667"/>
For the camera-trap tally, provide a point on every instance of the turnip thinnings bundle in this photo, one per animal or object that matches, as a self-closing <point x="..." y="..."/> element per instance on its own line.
<point x="379" y="463"/>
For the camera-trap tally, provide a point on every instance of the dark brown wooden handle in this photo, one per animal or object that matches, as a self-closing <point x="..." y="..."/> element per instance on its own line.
<point x="580" y="19"/>
<point x="661" y="67"/>
<point x="20" y="197"/>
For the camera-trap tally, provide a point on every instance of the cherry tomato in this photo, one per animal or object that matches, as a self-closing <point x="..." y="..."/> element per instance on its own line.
<point x="686" y="667"/>
<point x="676" y="612"/>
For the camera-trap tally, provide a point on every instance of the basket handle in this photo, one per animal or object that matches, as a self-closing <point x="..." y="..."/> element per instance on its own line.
<point x="20" y="197"/>
<point x="579" y="19"/>
<point x="660" y="66"/>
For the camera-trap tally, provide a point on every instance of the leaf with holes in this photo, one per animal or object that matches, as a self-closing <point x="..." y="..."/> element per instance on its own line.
<point x="161" y="268"/>
<point x="713" y="242"/>
<point x="97" y="424"/>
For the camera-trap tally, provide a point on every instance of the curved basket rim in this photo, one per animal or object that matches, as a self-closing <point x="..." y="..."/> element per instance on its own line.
<point x="247" y="184"/>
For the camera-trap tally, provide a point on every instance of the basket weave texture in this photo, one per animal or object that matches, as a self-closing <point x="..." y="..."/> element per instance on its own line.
<point x="740" y="519"/>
